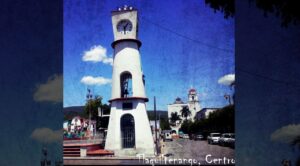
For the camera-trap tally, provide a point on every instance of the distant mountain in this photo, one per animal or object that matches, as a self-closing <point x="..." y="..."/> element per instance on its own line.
<point x="159" y="114"/>
<point x="74" y="109"/>
<point x="70" y="112"/>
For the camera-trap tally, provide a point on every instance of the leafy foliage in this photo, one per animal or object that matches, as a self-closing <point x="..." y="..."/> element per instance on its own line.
<point x="186" y="126"/>
<point x="225" y="6"/>
<point x="174" y="117"/>
<point x="164" y="124"/>
<point x="221" y="120"/>
<point x="287" y="10"/>
<point x="159" y="114"/>
<point x="185" y="112"/>
<point x="91" y="107"/>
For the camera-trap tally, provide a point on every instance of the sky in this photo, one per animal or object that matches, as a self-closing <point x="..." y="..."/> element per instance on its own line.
<point x="184" y="45"/>
<point x="267" y="88"/>
<point x="30" y="82"/>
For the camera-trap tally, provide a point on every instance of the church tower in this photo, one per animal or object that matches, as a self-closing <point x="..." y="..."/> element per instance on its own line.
<point x="193" y="102"/>
<point x="129" y="130"/>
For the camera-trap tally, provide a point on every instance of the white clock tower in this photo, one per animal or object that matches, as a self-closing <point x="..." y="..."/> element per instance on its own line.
<point x="129" y="130"/>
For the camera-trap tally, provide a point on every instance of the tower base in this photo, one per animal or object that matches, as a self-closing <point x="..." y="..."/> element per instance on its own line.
<point x="129" y="132"/>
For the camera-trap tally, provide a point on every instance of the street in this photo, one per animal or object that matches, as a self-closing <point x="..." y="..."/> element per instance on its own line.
<point x="198" y="150"/>
<point x="178" y="151"/>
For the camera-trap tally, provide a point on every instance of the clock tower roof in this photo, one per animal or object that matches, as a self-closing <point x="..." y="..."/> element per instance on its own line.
<point x="124" y="8"/>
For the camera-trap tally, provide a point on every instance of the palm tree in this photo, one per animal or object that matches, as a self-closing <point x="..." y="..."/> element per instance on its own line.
<point x="185" y="112"/>
<point x="174" y="117"/>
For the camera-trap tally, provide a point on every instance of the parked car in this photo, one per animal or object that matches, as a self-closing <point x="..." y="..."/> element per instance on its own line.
<point x="180" y="135"/>
<point x="213" y="138"/>
<point x="186" y="136"/>
<point x="167" y="136"/>
<point x="198" y="137"/>
<point x="227" y="139"/>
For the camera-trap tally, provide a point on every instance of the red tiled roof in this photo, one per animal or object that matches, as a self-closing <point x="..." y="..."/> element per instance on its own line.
<point x="192" y="90"/>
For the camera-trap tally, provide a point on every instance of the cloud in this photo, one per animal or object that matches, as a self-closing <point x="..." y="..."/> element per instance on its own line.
<point x="227" y="79"/>
<point x="50" y="91"/>
<point x="97" y="54"/>
<point x="286" y="134"/>
<point x="90" y="80"/>
<point x="46" y="135"/>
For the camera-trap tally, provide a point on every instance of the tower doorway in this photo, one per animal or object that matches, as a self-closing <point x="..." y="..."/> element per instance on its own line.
<point x="127" y="131"/>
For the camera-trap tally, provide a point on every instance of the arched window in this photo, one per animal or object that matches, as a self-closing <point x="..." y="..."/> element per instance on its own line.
<point x="127" y="131"/>
<point x="144" y="80"/>
<point x="126" y="84"/>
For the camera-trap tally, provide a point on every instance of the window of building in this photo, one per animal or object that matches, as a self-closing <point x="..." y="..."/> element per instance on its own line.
<point x="127" y="106"/>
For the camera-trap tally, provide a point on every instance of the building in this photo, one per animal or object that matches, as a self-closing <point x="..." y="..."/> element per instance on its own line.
<point x="129" y="131"/>
<point x="152" y="126"/>
<point x="204" y="113"/>
<point x="193" y="105"/>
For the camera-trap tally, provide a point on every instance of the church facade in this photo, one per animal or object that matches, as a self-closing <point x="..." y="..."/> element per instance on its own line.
<point x="192" y="104"/>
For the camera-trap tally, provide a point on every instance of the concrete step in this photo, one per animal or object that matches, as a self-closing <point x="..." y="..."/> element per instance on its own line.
<point x="100" y="152"/>
<point x="71" y="149"/>
<point x="71" y="152"/>
<point x="71" y="155"/>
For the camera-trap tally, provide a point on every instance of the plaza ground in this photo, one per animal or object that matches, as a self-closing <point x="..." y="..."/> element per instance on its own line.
<point x="198" y="150"/>
<point x="175" y="152"/>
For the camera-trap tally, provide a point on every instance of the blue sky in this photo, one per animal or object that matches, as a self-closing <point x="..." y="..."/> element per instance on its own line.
<point x="31" y="52"/>
<point x="170" y="62"/>
<point x="267" y="91"/>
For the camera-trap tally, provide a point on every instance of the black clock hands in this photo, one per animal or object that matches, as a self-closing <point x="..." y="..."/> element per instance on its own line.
<point x="124" y="28"/>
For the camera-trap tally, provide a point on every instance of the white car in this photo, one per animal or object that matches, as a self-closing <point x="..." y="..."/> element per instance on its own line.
<point x="167" y="137"/>
<point x="227" y="139"/>
<point x="213" y="138"/>
<point x="186" y="136"/>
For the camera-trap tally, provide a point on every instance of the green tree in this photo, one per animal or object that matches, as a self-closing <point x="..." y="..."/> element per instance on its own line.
<point x="221" y="120"/>
<point x="174" y="118"/>
<point x="186" y="127"/>
<point x="185" y="112"/>
<point x="91" y="107"/>
<point x="164" y="124"/>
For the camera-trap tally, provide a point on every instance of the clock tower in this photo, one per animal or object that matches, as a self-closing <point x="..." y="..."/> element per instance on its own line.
<point x="193" y="102"/>
<point x="129" y="130"/>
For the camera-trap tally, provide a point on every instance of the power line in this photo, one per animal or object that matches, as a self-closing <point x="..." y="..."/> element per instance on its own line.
<point x="186" y="37"/>
<point x="267" y="78"/>
<point x="223" y="49"/>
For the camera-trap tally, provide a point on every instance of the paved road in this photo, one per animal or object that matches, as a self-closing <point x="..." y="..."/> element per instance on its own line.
<point x="183" y="151"/>
<point x="198" y="150"/>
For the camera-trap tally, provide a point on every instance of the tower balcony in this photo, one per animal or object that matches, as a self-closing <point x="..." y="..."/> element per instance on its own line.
<point x="129" y="98"/>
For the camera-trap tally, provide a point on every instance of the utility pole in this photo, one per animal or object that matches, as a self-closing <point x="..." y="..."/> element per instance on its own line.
<point x="155" y="127"/>
<point x="89" y="97"/>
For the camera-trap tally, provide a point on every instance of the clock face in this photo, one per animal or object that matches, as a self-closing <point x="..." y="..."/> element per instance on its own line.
<point x="124" y="26"/>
